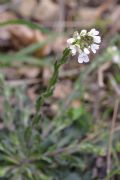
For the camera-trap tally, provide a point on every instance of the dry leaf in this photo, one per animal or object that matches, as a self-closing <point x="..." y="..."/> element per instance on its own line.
<point x="54" y="108"/>
<point x="76" y="104"/>
<point x="39" y="37"/>
<point x="87" y="15"/>
<point x="46" y="10"/>
<point x="29" y="72"/>
<point x="26" y="8"/>
<point x="59" y="44"/>
<point x="9" y="73"/>
<point x="62" y="89"/>
<point x="5" y="16"/>
<point x="22" y="36"/>
<point x="4" y="31"/>
<point x="31" y="93"/>
<point x="115" y="14"/>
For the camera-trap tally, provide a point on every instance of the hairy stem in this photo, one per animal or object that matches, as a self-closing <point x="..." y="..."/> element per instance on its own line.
<point x="49" y="91"/>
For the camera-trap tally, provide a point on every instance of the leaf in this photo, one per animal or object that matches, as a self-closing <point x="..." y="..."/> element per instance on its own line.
<point x="72" y="176"/>
<point x="25" y="22"/>
<point x="32" y="48"/>
<point x="7" y="60"/>
<point x="3" y="171"/>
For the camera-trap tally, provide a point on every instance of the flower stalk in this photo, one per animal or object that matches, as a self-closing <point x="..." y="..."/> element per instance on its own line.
<point x="80" y="44"/>
<point x="49" y="91"/>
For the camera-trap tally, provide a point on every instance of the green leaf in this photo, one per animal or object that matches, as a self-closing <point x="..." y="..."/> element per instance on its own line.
<point x="7" y="60"/>
<point x="3" y="171"/>
<point x="32" y="48"/>
<point x="72" y="176"/>
<point x="25" y="22"/>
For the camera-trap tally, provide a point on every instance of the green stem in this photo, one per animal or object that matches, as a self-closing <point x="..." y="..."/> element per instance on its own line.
<point x="49" y="91"/>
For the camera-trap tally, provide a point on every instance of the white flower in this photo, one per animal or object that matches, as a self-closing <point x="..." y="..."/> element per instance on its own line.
<point x="94" y="47"/>
<point x="83" y="32"/>
<point x="86" y="51"/>
<point x="70" y="41"/>
<point x="93" y="32"/>
<point x="76" y="35"/>
<point x="81" y="44"/>
<point x="73" y="49"/>
<point x="83" y="57"/>
<point x="96" y="39"/>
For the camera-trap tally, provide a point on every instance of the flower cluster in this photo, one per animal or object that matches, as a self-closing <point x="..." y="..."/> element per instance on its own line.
<point x="83" y="42"/>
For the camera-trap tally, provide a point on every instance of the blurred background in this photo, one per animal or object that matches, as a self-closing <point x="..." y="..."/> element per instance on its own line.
<point x="85" y="104"/>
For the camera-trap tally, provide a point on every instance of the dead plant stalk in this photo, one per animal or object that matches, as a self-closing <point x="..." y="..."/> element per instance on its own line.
<point x="111" y="136"/>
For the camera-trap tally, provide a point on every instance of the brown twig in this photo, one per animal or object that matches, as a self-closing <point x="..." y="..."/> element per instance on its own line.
<point x="111" y="136"/>
<point x="114" y="84"/>
<point x="101" y="71"/>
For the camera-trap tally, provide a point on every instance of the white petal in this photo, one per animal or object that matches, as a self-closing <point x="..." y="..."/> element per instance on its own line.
<point x="93" y="32"/>
<point x="94" y="47"/>
<point x="80" y="59"/>
<point x="97" y="46"/>
<point x="96" y="32"/>
<point x="86" y="58"/>
<point x="93" y="50"/>
<point x="86" y="51"/>
<point x="73" y="49"/>
<point x="83" y="58"/>
<point x="70" y="41"/>
<point x="97" y="39"/>
<point x="83" y="32"/>
<point x="76" y="35"/>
